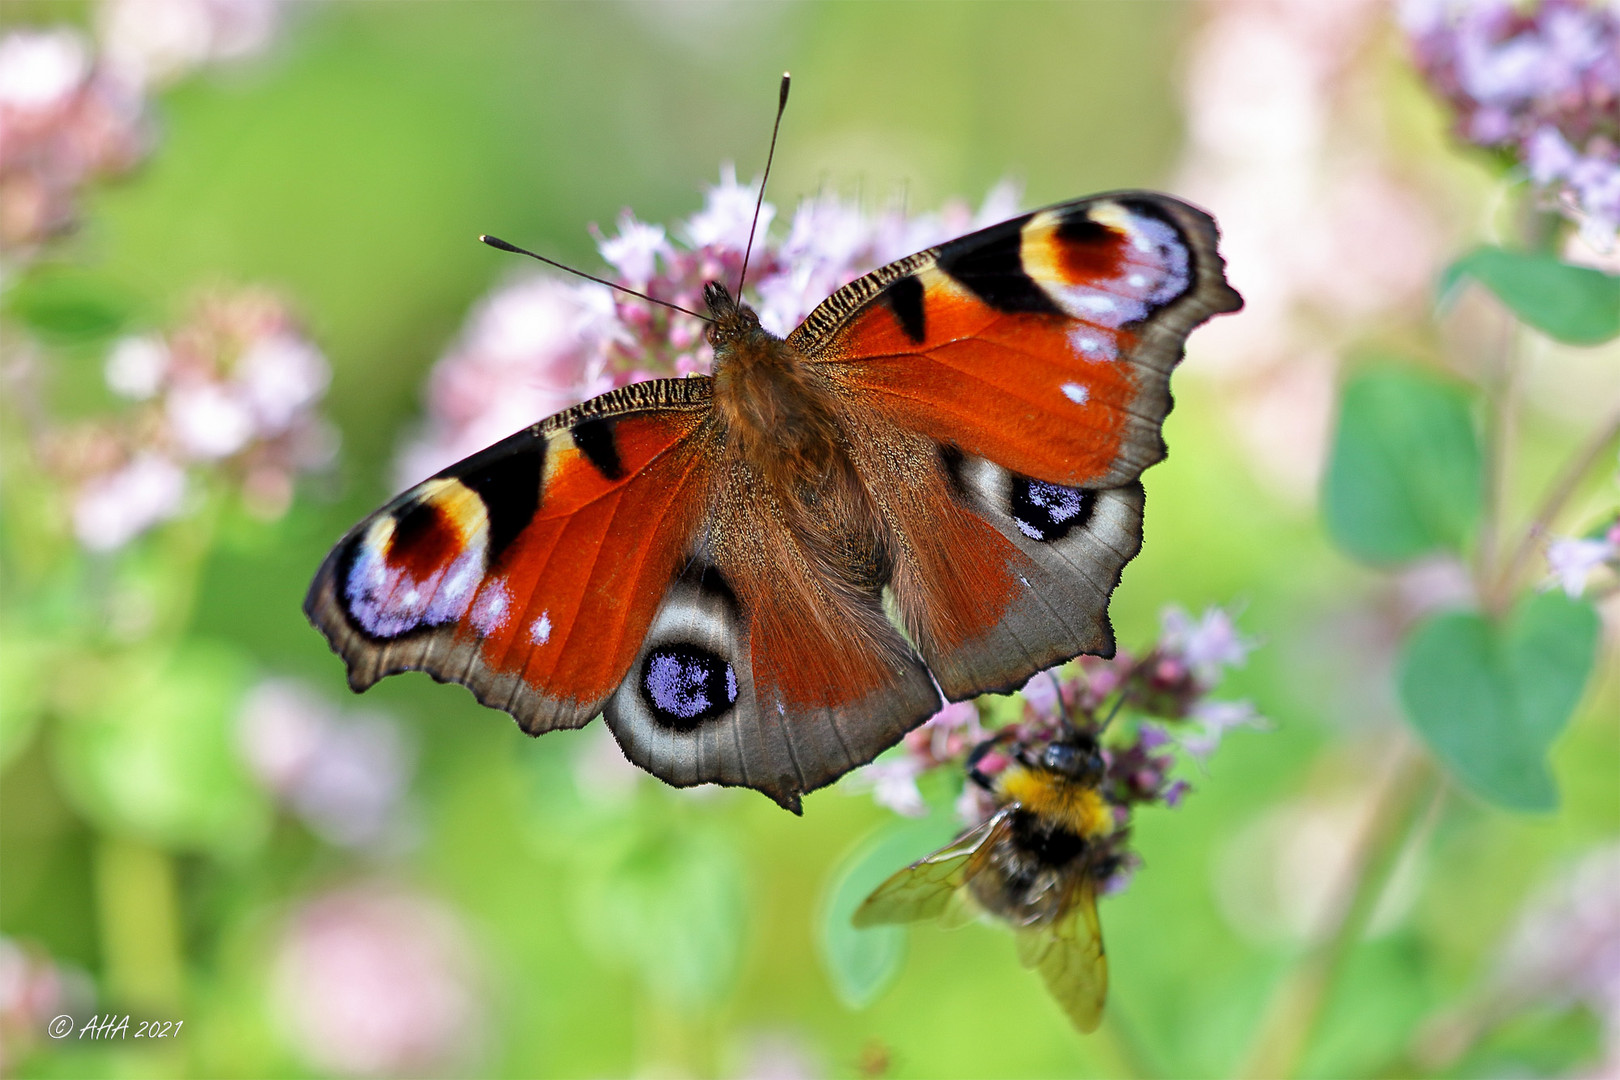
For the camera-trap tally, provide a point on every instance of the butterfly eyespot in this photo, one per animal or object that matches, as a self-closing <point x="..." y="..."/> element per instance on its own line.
<point x="419" y="567"/>
<point x="684" y="685"/>
<point x="1047" y="512"/>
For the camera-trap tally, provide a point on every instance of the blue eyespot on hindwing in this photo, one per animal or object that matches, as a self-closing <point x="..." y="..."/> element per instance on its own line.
<point x="684" y="685"/>
<point x="1047" y="512"/>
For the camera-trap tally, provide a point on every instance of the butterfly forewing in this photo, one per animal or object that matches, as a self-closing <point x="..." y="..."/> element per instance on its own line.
<point x="530" y="571"/>
<point x="1044" y="344"/>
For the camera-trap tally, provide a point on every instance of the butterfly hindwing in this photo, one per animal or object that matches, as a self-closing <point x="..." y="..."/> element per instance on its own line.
<point x="1071" y="546"/>
<point x="704" y="701"/>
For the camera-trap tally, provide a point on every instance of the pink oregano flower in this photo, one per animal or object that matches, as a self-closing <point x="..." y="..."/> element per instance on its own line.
<point x="544" y="342"/>
<point x="1146" y="707"/>
<point x="231" y="394"/>
<point x="1541" y="84"/>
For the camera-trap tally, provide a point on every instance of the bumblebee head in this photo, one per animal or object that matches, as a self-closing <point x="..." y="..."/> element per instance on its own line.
<point x="1076" y="756"/>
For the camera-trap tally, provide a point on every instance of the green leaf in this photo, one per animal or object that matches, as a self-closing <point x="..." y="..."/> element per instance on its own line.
<point x="862" y="963"/>
<point x="157" y="754"/>
<point x="1405" y="474"/>
<point x="1490" y="699"/>
<point x="66" y="304"/>
<point x="1574" y="304"/>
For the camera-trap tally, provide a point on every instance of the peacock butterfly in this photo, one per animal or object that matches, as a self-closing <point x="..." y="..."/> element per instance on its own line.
<point x="765" y="577"/>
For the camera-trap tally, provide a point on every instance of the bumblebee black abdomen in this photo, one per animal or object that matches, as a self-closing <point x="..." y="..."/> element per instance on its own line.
<point x="1046" y="842"/>
<point x="1031" y="871"/>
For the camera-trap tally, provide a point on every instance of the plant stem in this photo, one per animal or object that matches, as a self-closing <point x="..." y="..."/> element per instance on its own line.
<point x="1296" y="1006"/>
<point x="1500" y="384"/>
<point x="1562" y="490"/>
<point x="140" y="926"/>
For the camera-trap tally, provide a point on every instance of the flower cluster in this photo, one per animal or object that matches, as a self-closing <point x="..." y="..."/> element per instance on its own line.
<point x="34" y="990"/>
<point x="1573" y="559"/>
<point x="345" y="775"/>
<point x="64" y="121"/>
<point x="153" y="42"/>
<point x="72" y="112"/>
<point x="1162" y="696"/>
<point x="231" y="393"/>
<point x="1322" y="228"/>
<point x="1567" y="943"/>
<point x="541" y="344"/>
<point x="1542" y="84"/>
<point x="374" y="980"/>
<point x="1564" y="951"/>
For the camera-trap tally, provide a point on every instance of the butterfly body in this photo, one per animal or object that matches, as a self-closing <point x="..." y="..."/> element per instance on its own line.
<point x="766" y="576"/>
<point x="774" y="413"/>
<point x="1034" y="865"/>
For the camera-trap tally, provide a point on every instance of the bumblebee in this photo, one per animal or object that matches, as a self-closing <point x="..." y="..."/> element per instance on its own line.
<point x="1035" y="864"/>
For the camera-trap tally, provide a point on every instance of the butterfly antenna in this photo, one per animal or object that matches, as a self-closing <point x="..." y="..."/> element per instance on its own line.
<point x="501" y="245"/>
<point x="781" y="103"/>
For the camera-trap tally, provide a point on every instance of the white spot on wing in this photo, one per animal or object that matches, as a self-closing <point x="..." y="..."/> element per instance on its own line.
<point x="1092" y="345"/>
<point x="492" y="608"/>
<point x="540" y="629"/>
<point x="1076" y="393"/>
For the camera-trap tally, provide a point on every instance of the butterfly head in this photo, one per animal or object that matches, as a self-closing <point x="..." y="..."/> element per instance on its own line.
<point x="733" y="320"/>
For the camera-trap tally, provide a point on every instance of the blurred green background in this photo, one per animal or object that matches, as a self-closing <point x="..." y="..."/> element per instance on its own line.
<point x="643" y="931"/>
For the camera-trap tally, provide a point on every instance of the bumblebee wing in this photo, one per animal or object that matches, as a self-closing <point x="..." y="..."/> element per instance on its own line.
<point x="1068" y="952"/>
<point x="923" y="890"/>
<point x="960" y="910"/>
